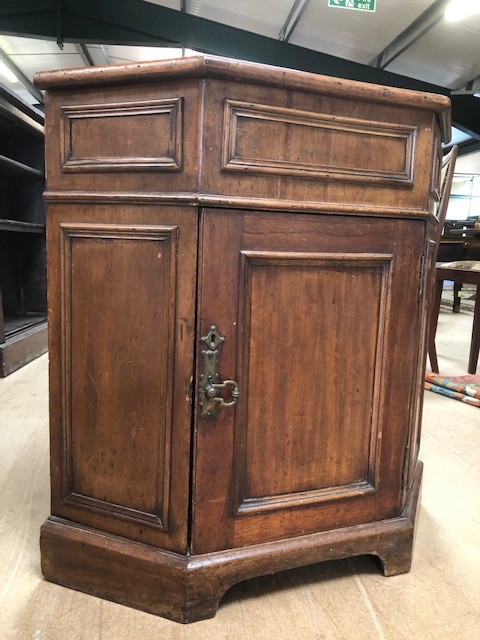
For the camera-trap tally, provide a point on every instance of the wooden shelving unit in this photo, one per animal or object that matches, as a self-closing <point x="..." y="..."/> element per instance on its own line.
<point x="9" y="167"/>
<point x="25" y="227"/>
<point x="23" y="326"/>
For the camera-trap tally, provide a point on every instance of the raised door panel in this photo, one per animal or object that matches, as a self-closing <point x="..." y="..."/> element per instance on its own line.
<point x="126" y="318"/>
<point x="101" y="291"/>
<point x="305" y="443"/>
<point x="315" y="311"/>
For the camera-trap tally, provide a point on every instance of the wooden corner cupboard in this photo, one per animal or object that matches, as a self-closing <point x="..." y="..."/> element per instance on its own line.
<point x="237" y="257"/>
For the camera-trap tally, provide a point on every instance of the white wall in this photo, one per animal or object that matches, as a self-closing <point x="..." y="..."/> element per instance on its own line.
<point x="468" y="164"/>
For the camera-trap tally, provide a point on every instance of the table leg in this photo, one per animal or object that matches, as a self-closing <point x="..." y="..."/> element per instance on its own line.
<point x="475" y="345"/>
<point x="432" y="352"/>
<point x="457" y="293"/>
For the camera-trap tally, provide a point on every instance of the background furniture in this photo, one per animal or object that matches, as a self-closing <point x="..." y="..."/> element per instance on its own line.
<point x="23" y="312"/>
<point x="466" y="272"/>
<point x="446" y="179"/>
<point x="468" y="239"/>
<point x="448" y="251"/>
<point x="238" y="260"/>
<point x="460" y="272"/>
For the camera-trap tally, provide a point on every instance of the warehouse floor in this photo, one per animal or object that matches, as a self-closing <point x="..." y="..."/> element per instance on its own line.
<point x="348" y="599"/>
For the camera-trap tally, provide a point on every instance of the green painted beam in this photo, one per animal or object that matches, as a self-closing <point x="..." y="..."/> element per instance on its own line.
<point x="18" y="7"/>
<point x="38" y="19"/>
<point x="466" y="148"/>
<point x="34" y="18"/>
<point x="91" y="31"/>
<point x="205" y="35"/>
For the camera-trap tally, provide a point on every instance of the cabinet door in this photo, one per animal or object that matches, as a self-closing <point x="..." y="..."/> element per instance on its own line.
<point x="320" y="319"/>
<point x="121" y="298"/>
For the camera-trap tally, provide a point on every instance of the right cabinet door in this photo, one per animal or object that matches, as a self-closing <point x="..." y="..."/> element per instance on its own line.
<point x="320" y="317"/>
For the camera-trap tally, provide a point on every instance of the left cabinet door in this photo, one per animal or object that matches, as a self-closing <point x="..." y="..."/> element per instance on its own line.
<point x="121" y="313"/>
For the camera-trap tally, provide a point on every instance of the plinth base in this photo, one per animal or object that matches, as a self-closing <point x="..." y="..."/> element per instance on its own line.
<point x="189" y="588"/>
<point x="22" y="348"/>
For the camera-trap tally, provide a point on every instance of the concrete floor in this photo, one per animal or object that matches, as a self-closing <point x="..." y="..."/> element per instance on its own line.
<point x="349" y="599"/>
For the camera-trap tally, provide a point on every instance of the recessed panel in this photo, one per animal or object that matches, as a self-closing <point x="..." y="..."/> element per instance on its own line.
<point x="267" y="139"/>
<point x="120" y="296"/>
<point x="136" y="136"/>
<point x="315" y="323"/>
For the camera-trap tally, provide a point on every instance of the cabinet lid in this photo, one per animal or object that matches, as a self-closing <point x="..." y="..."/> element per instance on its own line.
<point x="207" y="66"/>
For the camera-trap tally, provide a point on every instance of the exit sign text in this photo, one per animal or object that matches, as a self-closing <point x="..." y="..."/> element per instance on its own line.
<point x="360" y="5"/>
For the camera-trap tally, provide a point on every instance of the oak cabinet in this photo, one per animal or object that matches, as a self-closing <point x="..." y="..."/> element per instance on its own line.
<point x="237" y="259"/>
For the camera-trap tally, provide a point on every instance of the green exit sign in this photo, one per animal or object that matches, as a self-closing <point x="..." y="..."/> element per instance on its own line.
<point x="360" y="5"/>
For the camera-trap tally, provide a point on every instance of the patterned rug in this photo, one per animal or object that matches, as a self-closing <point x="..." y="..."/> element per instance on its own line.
<point x="463" y="388"/>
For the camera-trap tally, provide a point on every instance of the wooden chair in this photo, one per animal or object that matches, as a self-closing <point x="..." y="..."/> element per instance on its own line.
<point x="448" y="168"/>
<point x="460" y="272"/>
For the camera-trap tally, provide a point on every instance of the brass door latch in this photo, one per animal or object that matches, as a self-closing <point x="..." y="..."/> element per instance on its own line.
<point x="210" y="383"/>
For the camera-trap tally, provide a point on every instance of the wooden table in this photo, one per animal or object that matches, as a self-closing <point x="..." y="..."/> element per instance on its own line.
<point x="458" y="276"/>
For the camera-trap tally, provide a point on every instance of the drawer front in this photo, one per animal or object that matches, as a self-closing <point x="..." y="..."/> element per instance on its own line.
<point x="135" y="136"/>
<point x="129" y="139"/>
<point x="294" y="146"/>
<point x="264" y="139"/>
<point x="234" y="140"/>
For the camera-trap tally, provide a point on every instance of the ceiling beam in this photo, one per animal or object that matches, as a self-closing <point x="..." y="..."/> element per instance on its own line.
<point x="8" y="7"/>
<point x="21" y="77"/>
<point x="293" y="19"/>
<point x="468" y="89"/>
<point x="426" y="21"/>
<point x="471" y="146"/>
<point x="41" y="18"/>
<point x="134" y="22"/>
<point x="137" y="22"/>
<point x="38" y="19"/>
<point x="84" y="53"/>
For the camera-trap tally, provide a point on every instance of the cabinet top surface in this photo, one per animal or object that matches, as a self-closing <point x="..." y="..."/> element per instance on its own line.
<point x="207" y="66"/>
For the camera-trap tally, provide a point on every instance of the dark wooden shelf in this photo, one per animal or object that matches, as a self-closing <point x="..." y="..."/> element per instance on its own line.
<point x="11" y="167"/>
<point x="22" y="227"/>
<point x="458" y="233"/>
<point x="18" y="323"/>
<point x="23" y="308"/>
<point x="22" y="347"/>
<point x="14" y="111"/>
